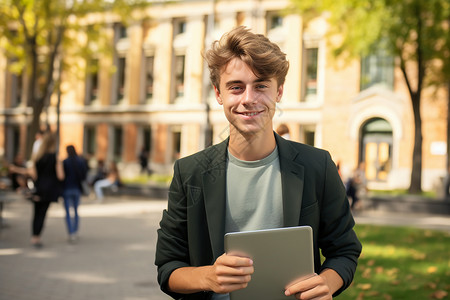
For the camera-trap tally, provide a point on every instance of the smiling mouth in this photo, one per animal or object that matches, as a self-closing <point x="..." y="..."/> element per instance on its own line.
<point x="249" y="114"/>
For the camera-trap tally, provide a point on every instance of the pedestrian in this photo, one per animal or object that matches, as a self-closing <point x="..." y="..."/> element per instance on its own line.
<point x="100" y="172"/>
<point x="47" y="173"/>
<point x="143" y="162"/>
<point x="112" y="180"/>
<point x="75" y="170"/>
<point x="252" y="180"/>
<point x="356" y="186"/>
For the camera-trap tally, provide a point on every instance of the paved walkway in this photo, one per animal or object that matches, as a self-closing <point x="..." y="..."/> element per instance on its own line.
<point x="113" y="258"/>
<point x="419" y="220"/>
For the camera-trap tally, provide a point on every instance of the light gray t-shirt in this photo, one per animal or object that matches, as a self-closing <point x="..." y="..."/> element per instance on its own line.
<point x="254" y="196"/>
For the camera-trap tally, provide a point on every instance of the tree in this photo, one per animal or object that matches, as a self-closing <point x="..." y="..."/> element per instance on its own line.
<point x="38" y="35"/>
<point x="415" y="32"/>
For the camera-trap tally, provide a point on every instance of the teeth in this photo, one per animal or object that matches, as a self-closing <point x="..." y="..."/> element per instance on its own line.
<point x="250" y="114"/>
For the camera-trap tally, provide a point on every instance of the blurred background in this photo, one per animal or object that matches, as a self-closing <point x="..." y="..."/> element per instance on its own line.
<point x="125" y="81"/>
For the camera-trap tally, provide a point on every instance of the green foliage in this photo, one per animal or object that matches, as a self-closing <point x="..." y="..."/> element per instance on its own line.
<point x="153" y="179"/>
<point x="401" y="192"/>
<point x="403" y="28"/>
<point x="401" y="263"/>
<point x="34" y="25"/>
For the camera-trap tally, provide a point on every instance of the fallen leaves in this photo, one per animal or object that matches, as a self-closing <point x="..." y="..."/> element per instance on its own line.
<point x="439" y="295"/>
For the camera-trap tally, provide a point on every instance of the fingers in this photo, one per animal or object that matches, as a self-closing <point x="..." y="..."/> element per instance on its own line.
<point x="233" y="260"/>
<point x="230" y="265"/>
<point x="231" y="273"/>
<point x="313" y="287"/>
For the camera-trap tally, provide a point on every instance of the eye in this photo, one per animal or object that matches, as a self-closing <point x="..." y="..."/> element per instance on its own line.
<point x="261" y="86"/>
<point x="235" y="88"/>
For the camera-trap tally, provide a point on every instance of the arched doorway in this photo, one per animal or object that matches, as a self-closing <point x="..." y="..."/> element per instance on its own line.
<point x="376" y="148"/>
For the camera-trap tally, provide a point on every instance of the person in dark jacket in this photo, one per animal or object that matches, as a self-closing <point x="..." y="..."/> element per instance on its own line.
<point x="253" y="180"/>
<point x="47" y="173"/>
<point x="75" y="170"/>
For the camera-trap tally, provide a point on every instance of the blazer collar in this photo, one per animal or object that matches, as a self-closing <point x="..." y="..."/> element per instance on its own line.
<point x="214" y="187"/>
<point x="292" y="180"/>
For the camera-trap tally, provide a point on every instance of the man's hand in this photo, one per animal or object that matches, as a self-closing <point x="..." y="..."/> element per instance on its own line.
<point x="230" y="273"/>
<point x="316" y="287"/>
<point x="227" y="274"/>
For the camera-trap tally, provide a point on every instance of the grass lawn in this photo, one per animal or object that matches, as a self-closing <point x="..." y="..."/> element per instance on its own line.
<point x="401" y="263"/>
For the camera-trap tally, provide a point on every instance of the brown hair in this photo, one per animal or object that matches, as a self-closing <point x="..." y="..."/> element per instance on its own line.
<point x="262" y="56"/>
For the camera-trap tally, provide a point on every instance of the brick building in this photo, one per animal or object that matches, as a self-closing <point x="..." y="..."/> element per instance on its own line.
<point x="160" y="97"/>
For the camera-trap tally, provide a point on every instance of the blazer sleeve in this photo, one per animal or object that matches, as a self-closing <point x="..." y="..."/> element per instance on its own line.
<point x="337" y="239"/>
<point x="172" y="246"/>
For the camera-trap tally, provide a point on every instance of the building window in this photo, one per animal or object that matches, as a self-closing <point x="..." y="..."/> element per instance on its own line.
<point x="240" y="18"/>
<point x="89" y="141"/>
<point x="121" y="65"/>
<point x="16" y="91"/>
<point x="275" y="21"/>
<point x="180" y="26"/>
<point x="147" y="138"/>
<point x="148" y="86"/>
<point x="92" y="81"/>
<point x="308" y="134"/>
<point x="117" y="143"/>
<point x="179" y="75"/>
<point x="120" y="31"/>
<point x="176" y="144"/>
<point x="310" y="73"/>
<point x="310" y="137"/>
<point x="377" y="69"/>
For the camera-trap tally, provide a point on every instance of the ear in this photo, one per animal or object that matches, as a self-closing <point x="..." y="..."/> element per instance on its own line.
<point x="217" y="93"/>
<point x="280" y="92"/>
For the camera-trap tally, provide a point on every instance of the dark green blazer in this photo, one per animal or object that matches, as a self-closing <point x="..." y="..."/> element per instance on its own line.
<point x="193" y="226"/>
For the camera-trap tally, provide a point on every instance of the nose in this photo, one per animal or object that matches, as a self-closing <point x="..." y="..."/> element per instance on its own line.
<point x="249" y="96"/>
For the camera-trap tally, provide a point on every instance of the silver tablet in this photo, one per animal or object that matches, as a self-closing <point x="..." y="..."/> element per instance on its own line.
<point x="280" y="257"/>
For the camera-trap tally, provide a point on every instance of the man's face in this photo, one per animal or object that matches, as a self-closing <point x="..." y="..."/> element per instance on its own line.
<point x="249" y="102"/>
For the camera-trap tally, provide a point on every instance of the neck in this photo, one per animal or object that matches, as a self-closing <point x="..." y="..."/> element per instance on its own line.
<point x="251" y="146"/>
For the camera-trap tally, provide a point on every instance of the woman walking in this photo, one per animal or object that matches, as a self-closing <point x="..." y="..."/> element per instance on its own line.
<point x="75" y="170"/>
<point x="47" y="173"/>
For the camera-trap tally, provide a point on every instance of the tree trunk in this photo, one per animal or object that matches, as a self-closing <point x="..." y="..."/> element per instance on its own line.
<point x="32" y="101"/>
<point x="416" y="172"/>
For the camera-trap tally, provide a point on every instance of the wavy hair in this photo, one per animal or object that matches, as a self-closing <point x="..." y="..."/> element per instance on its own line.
<point x="264" y="58"/>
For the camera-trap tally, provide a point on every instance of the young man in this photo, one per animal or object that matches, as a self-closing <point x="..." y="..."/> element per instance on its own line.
<point x="253" y="180"/>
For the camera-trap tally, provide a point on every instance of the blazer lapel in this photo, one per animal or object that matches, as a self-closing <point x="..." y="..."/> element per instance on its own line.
<point x="214" y="187"/>
<point x="292" y="180"/>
